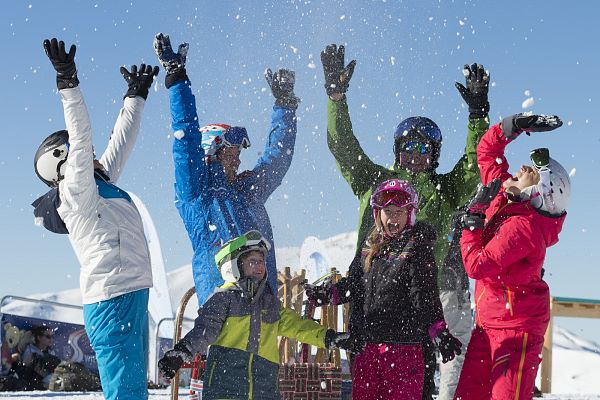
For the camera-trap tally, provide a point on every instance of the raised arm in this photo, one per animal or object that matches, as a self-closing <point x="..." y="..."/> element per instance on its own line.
<point x="127" y="126"/>
<point x="277" y="156"/>
<point x="188" y="155"/>
<point x="464" y="177"/>
<point x="78" y="186"/>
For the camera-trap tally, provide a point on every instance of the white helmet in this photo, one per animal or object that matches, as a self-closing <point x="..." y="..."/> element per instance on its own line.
<point x="227" y="257"/>
<point x="50" y="158"/>
<point x="551" y="194"/>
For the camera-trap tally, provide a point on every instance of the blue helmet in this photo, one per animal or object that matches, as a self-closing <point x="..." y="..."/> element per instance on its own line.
<point x="422" y="128"/>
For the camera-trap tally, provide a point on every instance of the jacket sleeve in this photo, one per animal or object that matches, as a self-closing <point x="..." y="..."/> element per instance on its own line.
<point x="464" y="177"/>
<point x="357" y="169"/>
<point x="424" y="292"/>
<point x="291" y="325"/>
<point x="515" y="240"/>
<point x="490" y="155"/>
<point x="78" y="188"/>
<point x="350" y="288"/>
<point x="188" y="155"/>
<point x="123" y="137"/>
<point x="277" y="156"/>
<point x="208" y="323"/>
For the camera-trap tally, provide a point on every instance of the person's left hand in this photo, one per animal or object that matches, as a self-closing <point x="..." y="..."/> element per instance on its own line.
<point x="335" y="339"/>
<point x="139" y="81"/>
<point x="476" y="92"/>
<point x="448" y="345"/>
<point x="63" y="63"/>
<point x="282" y="86"/>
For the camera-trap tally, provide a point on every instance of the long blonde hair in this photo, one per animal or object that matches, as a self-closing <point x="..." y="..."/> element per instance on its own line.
<point x="375" y="242"/>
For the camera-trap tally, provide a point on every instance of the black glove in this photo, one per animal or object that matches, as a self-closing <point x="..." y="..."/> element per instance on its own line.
<point x="335" y="339"/>
<point x="474" y="217"/>
<point x="337" y="77"/>
<point x="320" y="293"/>
<point x="174" y="63"/>
<point x="282" y="86"/>
<point x="476" y="92"/>
<point x="173" y="359"/>
<point x="514" y="125"/>
<point x="448" y="345"/>
<point x="139" y="81"/>
<point x="63" y="63"/>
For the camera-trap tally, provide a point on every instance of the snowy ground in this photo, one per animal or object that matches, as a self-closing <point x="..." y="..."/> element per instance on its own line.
<point x="165" y="394"/>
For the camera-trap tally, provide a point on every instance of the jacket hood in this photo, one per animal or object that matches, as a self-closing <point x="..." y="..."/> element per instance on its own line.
<point x="550" y="226"/>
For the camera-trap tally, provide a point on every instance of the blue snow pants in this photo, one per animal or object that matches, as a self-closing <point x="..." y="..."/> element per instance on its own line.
<point x="118" y="332"/>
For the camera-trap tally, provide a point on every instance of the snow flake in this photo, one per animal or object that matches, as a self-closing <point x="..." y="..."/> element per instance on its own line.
<point x="179" y="134"/>
<point x="528" y="103"/>
<point x="498" y="160"/>
<point x="572" y="172"/>
<point x="212" y="227"/>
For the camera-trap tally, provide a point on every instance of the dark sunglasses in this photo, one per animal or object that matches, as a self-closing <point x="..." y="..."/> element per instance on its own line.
<point x="410" y="146"/>
<point x="540" y="157"/>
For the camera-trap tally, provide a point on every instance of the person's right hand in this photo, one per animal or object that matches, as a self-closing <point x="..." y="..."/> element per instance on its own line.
<point x="174" y="63"/>
<point x="514" y="125"/>
<point x="337" y="77"/>
<point x="282" y="86"/>
<point x="139" y="82"/>
<point x="319" y="293"/>
<point x="63" y="63"/>
<point x="173" y="359"/>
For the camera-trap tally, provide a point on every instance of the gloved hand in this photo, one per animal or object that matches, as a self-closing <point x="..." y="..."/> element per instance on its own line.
<point x="476" y="92"/>
<point x="173" y="359"/>
<point x="512" y="126"/>
<point x="174" y="63"/>
<point x="474" y="217"/>
<point x="63" y="63"/>
<point x="448" y="345"/>
<point x="139" y="82"/>
<point x="320" y="293"/>
<point x="282" y="87"/>
<point x="337" y="77"/>
<point x="335" y="339"/>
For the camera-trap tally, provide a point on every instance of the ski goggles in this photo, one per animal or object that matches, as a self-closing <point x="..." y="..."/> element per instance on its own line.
<point x="233" y="248"/>
<point x="236" y="136"/>
<point x="397" y="198"/>
<point x="540" y="158"/>
<point x="411" y="146"/>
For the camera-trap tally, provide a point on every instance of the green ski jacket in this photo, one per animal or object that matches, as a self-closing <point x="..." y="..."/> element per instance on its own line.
<point x="440" y="195"/>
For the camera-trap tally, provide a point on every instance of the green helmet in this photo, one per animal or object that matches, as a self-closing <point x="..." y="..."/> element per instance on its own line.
<point x="228" y="255"/>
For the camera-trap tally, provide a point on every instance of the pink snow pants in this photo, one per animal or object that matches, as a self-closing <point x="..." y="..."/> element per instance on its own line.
<point x="500" y="364"/>
<point x="388" y="372"/>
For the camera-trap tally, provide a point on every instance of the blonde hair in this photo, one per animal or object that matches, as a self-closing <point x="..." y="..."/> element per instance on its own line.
<point x="375" y="242"/>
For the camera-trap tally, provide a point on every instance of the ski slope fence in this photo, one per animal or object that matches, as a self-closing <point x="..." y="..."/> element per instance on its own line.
<point x="563" y="307"/>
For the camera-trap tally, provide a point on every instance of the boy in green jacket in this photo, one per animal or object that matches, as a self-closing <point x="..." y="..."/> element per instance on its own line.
<point x="417" y="144"/>
<point x="241" y="322"/>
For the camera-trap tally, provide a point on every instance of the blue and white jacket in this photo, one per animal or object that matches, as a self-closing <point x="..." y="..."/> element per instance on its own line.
<point x="105" y="227"/>
<point x="213" y="210"/>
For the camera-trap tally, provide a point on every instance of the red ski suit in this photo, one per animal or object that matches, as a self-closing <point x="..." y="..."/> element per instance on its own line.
<point x="512" y="300"/>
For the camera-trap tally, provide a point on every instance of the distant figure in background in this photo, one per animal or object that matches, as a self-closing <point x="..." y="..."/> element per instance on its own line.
<point x="40" y="354"/>
<point x="509" y="224"/>
<point x="103" y="223"/>
<point x="215" y="202"/>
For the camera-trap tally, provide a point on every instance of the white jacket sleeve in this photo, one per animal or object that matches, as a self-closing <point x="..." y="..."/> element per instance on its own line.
<point x="78" y="187"/>
<point x="123" y="137"/>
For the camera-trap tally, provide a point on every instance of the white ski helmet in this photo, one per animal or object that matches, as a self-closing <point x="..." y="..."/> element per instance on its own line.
<point x="50" y="158"/>
<point x="551" y="194"/>
<point x="227" y="257"/>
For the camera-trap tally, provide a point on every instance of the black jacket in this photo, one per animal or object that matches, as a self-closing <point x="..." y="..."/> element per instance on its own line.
<point x="398" y="299"/>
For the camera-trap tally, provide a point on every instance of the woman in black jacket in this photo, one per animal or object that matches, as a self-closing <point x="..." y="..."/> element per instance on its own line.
<point x="394" y="302"/>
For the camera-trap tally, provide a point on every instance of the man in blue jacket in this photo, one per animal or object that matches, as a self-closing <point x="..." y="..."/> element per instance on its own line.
<point x="216" y="203"/>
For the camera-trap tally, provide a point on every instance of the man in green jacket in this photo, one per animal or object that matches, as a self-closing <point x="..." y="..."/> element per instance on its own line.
<point x="417" y="144"/>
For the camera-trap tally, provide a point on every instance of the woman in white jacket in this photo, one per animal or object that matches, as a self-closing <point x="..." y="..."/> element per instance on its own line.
<point x="103" y="224"/>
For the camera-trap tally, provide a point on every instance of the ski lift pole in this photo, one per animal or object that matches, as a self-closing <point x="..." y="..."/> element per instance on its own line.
<point x="177" y="336"/>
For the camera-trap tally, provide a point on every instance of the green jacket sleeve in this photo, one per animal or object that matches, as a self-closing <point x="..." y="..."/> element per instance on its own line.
<point x="358" y="170"/>
<point x="461" y="182"/>
<point x="291" y="325"/>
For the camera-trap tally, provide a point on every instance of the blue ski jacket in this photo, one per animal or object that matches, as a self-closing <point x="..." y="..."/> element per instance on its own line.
<point x="214" y="210"/>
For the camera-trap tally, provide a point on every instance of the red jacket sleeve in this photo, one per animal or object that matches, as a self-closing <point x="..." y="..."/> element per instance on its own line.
<point x="514" y="240"/>
<point x="490" y="155"/>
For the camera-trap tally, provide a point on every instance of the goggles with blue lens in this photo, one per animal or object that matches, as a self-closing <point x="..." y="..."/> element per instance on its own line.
<point x="412" y="146"/>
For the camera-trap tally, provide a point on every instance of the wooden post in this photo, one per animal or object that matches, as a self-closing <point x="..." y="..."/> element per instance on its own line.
<point x="329" y="315"/>
<point x="547" y="357"/>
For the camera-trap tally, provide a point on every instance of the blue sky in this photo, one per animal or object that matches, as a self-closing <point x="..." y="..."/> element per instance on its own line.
<point x="409" y="54"/>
